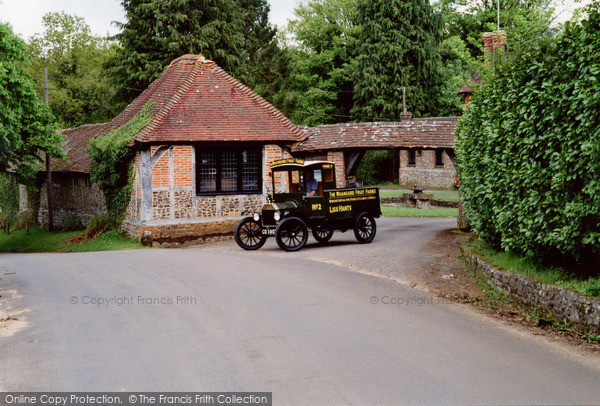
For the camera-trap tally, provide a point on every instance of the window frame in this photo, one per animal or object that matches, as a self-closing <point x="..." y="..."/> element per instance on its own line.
<point x="239" y="167"/>
<point x="439" y="157"/>
<point x="412" y="157"/>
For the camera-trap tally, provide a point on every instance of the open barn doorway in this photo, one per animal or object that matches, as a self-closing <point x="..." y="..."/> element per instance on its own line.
<point x="378" y="167"/>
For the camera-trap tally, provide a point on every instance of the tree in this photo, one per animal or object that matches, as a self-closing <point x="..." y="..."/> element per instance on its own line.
<point x="26" y="124"/>
<point x="79" y="92"/>
<point x="458" y="67"/>
<point x="319" y="86"/>
<point x="523" y="20"/>
<point x="232" y="33"/>
<point x="267" y="61"/>
<point x="398" y="46"/>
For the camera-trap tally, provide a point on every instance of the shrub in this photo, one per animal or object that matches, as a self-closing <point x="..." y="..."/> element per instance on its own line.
<point x="72" y="224"/>
<point x="98" y="224"/>
<point x="9" y="197"/>
<point x="528" y="150"/>
<point x="373" y="167"/>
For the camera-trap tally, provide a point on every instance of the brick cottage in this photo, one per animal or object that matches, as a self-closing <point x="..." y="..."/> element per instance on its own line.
<point x="203" y="160"/>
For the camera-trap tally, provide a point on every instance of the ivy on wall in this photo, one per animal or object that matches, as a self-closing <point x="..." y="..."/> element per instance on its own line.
<point x="112" y="163"/>
<point x="528" y="150"/>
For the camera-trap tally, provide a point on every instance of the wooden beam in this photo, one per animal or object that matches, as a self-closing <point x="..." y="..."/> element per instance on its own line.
<point x="159" y="152"/>
<point x="352" y="159"/>
<point x="145" y="160"/>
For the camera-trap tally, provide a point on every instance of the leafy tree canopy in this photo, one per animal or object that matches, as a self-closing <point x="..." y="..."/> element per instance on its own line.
<point x="523" y="20"/>
<point x="232" y="33"/>
<point x="26" y="123"/>
<point x="78" y="90"/>
<point x="322" y="48"/>
<point x="398" y="46"/>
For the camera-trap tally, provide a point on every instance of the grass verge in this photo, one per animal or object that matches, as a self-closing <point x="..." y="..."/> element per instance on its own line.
<point x="554" y="275"/>
<point x="450" y="195"/>
<point x="39" y="240"/>
<point x="393" y="211"/>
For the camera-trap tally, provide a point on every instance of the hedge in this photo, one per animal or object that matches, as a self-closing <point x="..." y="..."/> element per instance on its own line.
<point x="528" y="150"/>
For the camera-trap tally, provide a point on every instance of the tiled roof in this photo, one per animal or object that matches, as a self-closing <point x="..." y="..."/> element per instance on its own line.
<point x="76" y="142"/>
<point x="196" y="100"/>
<point x="432" y="132"/>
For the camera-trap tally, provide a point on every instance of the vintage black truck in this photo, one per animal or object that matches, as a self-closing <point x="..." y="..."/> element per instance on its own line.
<point x="290" y="212"/>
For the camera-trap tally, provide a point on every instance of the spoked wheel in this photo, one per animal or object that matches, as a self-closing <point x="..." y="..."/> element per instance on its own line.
<point x="365" y="228"/>
<point x="291" y="234"/>
<point x="322" y="235"/>
<point x="248" y="234"/>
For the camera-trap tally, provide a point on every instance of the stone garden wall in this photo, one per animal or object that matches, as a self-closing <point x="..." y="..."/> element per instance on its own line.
<point x="75" y="200"/>
<point x="554" y="302"/>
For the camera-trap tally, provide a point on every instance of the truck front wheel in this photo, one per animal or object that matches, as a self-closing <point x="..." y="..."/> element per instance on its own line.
<point x="291" y="234"/>
<point x="365" y="228"/>
<point x="248" y="234"/>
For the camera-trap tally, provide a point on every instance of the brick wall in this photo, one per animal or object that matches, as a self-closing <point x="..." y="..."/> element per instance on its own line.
<point x="160" y="171"/>
<point x="183" y="166"/>
<point x="425" y="173"/>
<point x="273" y="153"/>
<point x="337" y="157"/>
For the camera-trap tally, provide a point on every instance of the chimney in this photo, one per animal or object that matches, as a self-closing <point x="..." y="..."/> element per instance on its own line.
<point x="491" y="42"/>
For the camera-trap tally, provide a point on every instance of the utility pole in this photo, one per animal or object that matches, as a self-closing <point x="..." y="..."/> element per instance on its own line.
<point x="48" y="169"/>
<point x="498" y="15"/>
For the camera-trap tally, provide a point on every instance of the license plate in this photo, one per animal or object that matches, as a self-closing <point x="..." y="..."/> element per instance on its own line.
<point x="268" y="231"/>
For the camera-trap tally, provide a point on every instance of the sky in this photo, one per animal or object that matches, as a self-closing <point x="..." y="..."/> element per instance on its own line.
<point x="25" y="16"/>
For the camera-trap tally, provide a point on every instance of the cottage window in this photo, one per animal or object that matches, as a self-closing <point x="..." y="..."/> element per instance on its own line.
<point x="439" y="157"/>
<point x="412" y="157"/>
<point x="228" y="171"/>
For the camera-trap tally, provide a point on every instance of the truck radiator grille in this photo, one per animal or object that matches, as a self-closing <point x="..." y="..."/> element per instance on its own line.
<point x="267" y="218"/>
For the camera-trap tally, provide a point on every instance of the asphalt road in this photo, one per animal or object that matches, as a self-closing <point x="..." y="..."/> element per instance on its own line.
<point x="310" y="331"/>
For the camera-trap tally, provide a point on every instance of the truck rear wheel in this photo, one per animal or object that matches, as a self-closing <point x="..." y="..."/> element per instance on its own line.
<point x="365" y="228"/>
<point x="291" y="234"/>
<point x="248" y="234"/>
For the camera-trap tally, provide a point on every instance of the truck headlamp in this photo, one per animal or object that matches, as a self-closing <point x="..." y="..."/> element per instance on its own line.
<point x="256" y="216"/>
<point x="277" y="216"/>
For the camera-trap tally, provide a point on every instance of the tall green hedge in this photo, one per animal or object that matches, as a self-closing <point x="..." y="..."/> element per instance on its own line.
<point x="528" y="150"/>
